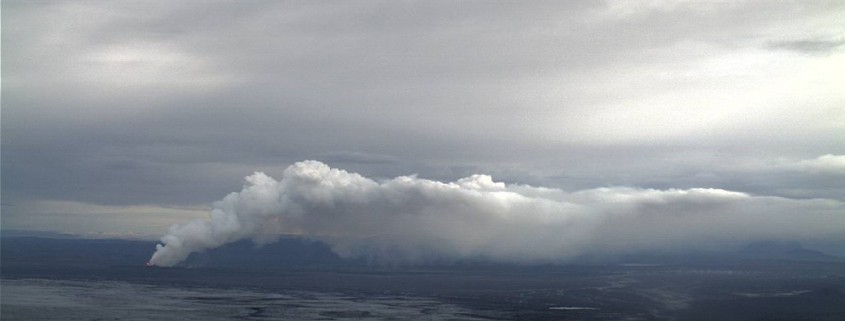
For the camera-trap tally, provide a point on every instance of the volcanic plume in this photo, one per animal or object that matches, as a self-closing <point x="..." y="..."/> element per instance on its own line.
<point x="410" y="220"/>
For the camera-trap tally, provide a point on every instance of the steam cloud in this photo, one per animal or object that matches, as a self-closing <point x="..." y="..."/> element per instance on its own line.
<point x="408" y="219"/>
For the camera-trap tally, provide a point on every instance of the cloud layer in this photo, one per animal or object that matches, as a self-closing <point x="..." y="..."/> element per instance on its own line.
<point x="158" y="104"/>
<point x="410" y="220"/>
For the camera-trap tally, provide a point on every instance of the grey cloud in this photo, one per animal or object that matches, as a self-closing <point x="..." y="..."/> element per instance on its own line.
<point x="161" y="102"/>
<point x="359" y="157"/>
<point x="808" y="46"/>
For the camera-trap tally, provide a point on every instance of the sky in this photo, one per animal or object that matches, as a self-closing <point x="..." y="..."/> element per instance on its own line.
<point x="121" y="118"/>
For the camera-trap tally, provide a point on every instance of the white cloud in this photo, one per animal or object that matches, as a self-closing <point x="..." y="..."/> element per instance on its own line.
<point x="825" y="164"/>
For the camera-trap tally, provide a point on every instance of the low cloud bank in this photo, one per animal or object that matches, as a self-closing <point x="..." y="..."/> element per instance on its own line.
<point x="410" y="220"/>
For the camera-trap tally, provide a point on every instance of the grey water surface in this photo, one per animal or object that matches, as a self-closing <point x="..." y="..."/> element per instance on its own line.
<point x="40" y="299"/>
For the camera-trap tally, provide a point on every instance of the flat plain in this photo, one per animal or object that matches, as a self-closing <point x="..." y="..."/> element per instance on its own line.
<point x="38" y="286"/>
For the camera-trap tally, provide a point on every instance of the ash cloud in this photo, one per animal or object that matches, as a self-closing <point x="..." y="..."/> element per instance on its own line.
<point x="411" y="220"/>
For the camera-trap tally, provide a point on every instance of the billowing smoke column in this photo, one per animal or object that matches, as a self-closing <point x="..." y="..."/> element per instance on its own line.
<point x="408" y="219"/>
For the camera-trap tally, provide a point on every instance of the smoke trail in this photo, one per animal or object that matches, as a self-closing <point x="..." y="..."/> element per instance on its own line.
<point x="408" y="219"/>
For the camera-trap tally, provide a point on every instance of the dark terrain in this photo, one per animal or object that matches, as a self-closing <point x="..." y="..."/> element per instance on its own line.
<point x="766" y="281"/>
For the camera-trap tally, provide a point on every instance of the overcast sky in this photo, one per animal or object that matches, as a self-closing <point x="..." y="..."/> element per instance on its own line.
<point x="123" y="117"/>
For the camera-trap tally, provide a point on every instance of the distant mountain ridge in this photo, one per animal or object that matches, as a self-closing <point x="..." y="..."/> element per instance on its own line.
<point x="286" y="252"/>
<point x="41" y="234"/>
<point x="779" y="250"/>
<point x="298" y="252"/>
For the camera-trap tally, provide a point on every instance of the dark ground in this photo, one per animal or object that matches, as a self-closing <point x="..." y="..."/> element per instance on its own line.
<point x="729" y="289"/>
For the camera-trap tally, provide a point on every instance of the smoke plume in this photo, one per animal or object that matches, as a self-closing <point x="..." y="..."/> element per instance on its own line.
<point x="408" y="219"/>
